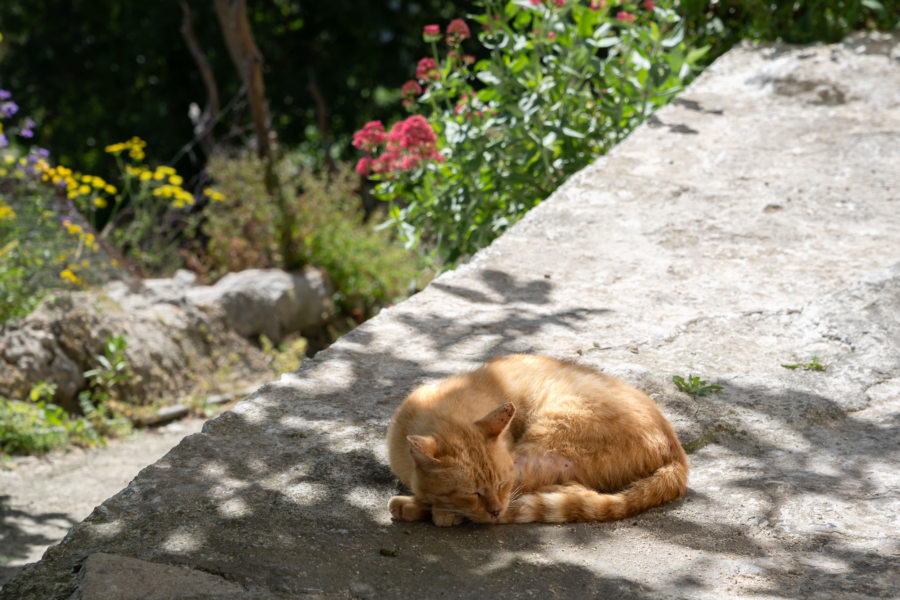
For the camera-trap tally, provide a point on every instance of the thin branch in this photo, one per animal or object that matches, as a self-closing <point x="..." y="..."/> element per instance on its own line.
<point x="203" y="124"/>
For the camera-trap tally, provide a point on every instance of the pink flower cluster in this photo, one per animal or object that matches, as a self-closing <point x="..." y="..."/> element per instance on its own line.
<point x="409" y="143"/>
<point x="410" y="90"/>
<point x="457" y="31"/>
<point x="427" y="70"/>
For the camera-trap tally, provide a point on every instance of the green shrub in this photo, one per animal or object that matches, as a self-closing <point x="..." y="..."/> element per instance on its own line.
<point x="561" y="83"/>
<point x="724" y="23"/>
<point x="39" y="426"/>
<point x="367" y="267"/>
<point x="44" y="246"/>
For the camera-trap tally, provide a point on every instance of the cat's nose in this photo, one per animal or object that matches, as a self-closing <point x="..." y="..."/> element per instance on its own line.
<point x="495" y="513"/>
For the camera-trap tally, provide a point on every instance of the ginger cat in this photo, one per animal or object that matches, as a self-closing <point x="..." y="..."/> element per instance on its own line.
<point x="529" y="438"/>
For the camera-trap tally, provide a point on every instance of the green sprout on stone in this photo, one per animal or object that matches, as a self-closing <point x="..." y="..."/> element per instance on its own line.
<point x="812" y="365"/>
<point x="694" y="385"/>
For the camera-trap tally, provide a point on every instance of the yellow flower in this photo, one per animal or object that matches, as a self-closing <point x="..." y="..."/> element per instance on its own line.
<point x="72" y="228"/>
<point x="175" y="180"/>
<point x="68" y="275"/>
<point x="145" y="175"/>
<point x="110" y="189"/>
<point x="3" y="172"/>
<point x="213" y="195"/>
<point x="97" y="182"/>
<point x="84" y="190"/>
<point x="100" y="202"/>
<point x="115" y="148"/>
<point x="6" y="211"/>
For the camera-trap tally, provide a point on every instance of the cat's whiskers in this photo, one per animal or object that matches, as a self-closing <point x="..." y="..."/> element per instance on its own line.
<point x="515" y="494"/>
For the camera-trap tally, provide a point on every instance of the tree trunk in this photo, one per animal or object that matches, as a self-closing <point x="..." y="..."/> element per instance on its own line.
<point x="249" y="62"/>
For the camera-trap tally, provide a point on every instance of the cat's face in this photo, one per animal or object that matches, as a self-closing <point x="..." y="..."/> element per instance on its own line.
<point x="468" y="471"/>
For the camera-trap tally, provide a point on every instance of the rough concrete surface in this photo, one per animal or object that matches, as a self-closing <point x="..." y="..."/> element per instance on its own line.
<point x="41" y="497"/>
<point x="754" y="222"/>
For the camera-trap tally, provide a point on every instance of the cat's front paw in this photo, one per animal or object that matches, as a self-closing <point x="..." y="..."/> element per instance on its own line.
<point x="407" y="508"/>
<point x="443" y="518"/>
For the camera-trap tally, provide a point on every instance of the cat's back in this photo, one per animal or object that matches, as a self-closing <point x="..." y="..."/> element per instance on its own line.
<point x="541" y="383"/>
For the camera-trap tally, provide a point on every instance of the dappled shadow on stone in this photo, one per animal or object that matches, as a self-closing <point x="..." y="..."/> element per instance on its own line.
<point x="503" y="289"/>
<point x="17" y="540"/>
<point x="812" y="482"/>
<point x="286" y="494"/>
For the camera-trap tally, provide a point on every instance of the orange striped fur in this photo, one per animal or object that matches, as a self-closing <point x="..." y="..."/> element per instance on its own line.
<point x="529" y="438"/>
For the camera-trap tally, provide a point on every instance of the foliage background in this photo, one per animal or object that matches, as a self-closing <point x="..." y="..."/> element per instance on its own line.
<point x="95" y="71"/>
<point x="92" y="72"/>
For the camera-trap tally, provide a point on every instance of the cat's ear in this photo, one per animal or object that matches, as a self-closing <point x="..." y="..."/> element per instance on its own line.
<point x="422" y="448"/>
<point x="493" y="423"/>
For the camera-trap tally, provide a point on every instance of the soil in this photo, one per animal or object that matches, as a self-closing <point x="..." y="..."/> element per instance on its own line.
<point x="41" y="497"/>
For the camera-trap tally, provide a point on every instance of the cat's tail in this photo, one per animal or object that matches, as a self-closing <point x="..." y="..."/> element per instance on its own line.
<point x="575" y="502"/>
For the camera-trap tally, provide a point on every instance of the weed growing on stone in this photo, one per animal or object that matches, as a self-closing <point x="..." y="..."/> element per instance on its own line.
<point x="812" y="365"/>
<point x="100" y="402"/>
<point x="694" y="385"/>
<point x="707" y="438"/>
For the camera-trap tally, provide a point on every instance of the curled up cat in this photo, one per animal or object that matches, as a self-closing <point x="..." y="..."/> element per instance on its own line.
<point x="532" y="439"/>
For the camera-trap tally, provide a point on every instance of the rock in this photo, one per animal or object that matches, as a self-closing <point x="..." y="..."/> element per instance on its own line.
<point x="112" y="577"/>
<point x="168" y="324"/>
<point x="269" y="302"/>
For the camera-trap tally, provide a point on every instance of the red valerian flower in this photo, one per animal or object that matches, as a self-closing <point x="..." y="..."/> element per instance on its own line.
<point x="559" y="3"/>
<point x="535" y="2"/>
<point x="410" y="143"/>
<point x="370" y="136"/>
<point x="364" y="166"/>
<point x="649" y="5"/>
<point x="409" y="91"/>
<point x="624" y="16"/>
<point x="598" y="4"/>
<point x="427" y="70"/>
<point x="457" y="31"/>
<point x="431" y="33"/>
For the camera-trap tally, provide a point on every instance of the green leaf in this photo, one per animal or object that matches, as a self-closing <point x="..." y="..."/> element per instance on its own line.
<point x="696" y="54"/>
<point x="486" y="94"/>
<point x="606" y="42"/>
<point x="519" y="64"/>
<point x="487" y="77"/>
<point x="572" y="133"/>
<point x="548" y="139"/>
<point x="873" y="4"/>
<point x="676" y="38"/>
